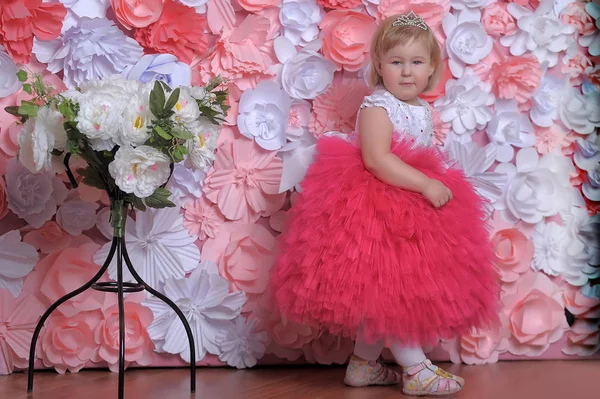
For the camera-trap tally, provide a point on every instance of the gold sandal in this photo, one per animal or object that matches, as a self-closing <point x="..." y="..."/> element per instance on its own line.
<point x="439" y="384"/>
<point x="363" y="373"/>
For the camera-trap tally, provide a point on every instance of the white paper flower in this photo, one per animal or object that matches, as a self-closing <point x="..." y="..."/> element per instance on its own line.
<point x="33" y="197"/>
<point x="582" y="253"/>
<point x="539" y="31"/>
<point x="509" y="128"/>
<point x="592" y="42"/>
<point x="158" y="244"/>
<point x="587" y="152"/>
<point x="544" y="109"/>
<point x="76" y="216"/>
<point x="139" y="170"/>
<point x="371" y="6"/>
<point x="536" y="188"/>
<point x="304" y="74"/>
<point x="185" y="183"/>
<point x="465" y="4"/>
<point x="242" y="345"/>
<point x="296" y="160"/>
<point x="579" y="112"/>
<point x="163" y="67"/>
<point x="77" y="9"/>
<point x="93" y="49"/>
<point x="300" y="20"/>
<point x="209" y="308"/>
<point x="466" y="104"/>
<point x="591" y="187"/>
<point x="475" y="162"/>
<point x="9" y="83"/>
<point x="264" y="114"/>
<point x="18" y="260"/>
<point x="202" y="147"/>
<point x="467" y="41"/>
<point x="198" y="5"/>
<point x="39" y="137"/>
<point x="298" y="121"/>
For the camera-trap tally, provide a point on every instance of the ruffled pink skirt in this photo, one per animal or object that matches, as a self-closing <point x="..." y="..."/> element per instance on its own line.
<point x="359" y="256"/>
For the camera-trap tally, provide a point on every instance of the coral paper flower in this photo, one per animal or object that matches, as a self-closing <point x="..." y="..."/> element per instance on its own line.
<point x="179" y="31"/>
<point x="516" y="78"/>
<point x="258" y="5"/>
<point x="136" y="13"/>
<point x="21" y="20"/>
<point x="340" y="4"/>
<point x="244" y="181"/>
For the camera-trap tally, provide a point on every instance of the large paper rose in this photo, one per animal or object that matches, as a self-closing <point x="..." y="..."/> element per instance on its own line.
<point x="287" y="338"/>
<point x="580" y="305"/>
<point x="139" y="170"/>
<point x="71" y="53"/>
<point x="67" y="343"/>
<point x="9" y="83"/>
<point x="346" y="36"/>
<point x="33" y="198"/>
<point x="163" y="67"/>
<point x="509" y="128"/>
<point x="179" y="31"/>
<point x="513" y="253"/>
<point x="467" y="42"/>
<point x="135" y="13"/>
<point x="138" y="345"/>
<point x="63" y="272"/>
<point x="305" y="74"/>
<point x="300" y="20"/>
<point x="244" y="181"/>
<point x="536" y="315"/>
<point x="536" y="188"/>
<point x="21" y="21"/>
<point x="328" y="349"/>
<point x="516" y="78"/>
<point x="578" y="111"/>
<point x="583" y="339"/>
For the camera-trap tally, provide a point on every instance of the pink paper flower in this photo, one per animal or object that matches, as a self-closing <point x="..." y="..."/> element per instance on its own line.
<point x="575" y="67"/>
<point x="516" y="77"/>
<point x="48" y="238"/>
<point x="17" y="322"/>
<point x="497" y="21"/>
<point x="536" y="315"/>
<point x="67" y="270"/>
<point x="67" y="343"/>
<point x="202" y="218"/>
<point x="179" y="31"/>
<point x="241" y="54"/>
<point x="431" y="11"/>
<point x="513" y="253"/>
<point x="3" y="198"/>
<point x="9" y="139"/>
<point x="340" y="4"/>
<point x="21" y="20"/>
<point x="574" y="14"/>
<point x="580" y="305"/>
<point x="287" y="338"/>
<point x="257" y="5"/>
<point x="138" y="345"/>
<point x="244" y="181"/>
<point x="533" y="4"/>
<point x="328" y="349"/>
<point x="346" y="36"/>
<point x="440" y="128"/>
<point x="551" y="139"/>
<point x="336" y="109"/>
<point x="136" y="13"/>
<point x="583" y="339"/>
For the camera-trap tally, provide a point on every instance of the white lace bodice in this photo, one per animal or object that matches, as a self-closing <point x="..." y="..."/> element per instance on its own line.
<point x="407" y="119"/>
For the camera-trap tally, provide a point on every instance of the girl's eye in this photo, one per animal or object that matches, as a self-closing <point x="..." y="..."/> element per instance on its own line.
<point x="395" y="62"/>
<point x="417" y="62"/>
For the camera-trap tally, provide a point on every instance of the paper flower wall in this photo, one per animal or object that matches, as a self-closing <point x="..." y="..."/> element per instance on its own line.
<point x="517" y="107"/>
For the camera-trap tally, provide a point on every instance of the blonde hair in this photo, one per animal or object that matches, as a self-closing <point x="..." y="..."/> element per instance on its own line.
<point x="388" y="36"/>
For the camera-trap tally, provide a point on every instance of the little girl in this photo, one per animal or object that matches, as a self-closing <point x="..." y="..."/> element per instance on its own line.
<point x="387" y="244"/>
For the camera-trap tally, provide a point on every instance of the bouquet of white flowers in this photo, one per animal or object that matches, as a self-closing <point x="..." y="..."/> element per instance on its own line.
<point x="129" y="133"/>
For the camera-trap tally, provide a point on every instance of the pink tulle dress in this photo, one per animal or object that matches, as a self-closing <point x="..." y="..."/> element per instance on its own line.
<point x="362" y="258"/>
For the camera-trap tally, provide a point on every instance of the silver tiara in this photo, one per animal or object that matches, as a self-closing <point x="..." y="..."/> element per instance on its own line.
<point x="411" y="19"/>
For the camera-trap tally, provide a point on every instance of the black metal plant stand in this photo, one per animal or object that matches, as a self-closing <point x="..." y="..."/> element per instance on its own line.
<point x="118" y="218"/>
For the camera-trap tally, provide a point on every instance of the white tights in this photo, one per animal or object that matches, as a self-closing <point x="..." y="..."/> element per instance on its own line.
<point x="404" y="355"/>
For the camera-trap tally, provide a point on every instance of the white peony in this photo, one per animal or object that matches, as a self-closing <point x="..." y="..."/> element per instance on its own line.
<point x="544" y="107"/>
<point x="202" y="148"/>
<point x="304" y="74"/>
<point x="300" y="20"/>
<point x="536" y="188"/>
<point x="540" y="32"/>
<point x="139" y="170"/>
<point x="579" y="112"/>
<point x="466" y="104"/>
<point x="39" y="137"/>
<point x="467" y="41"/>
<point x="186" y="109"/>
<point x="509" y="128"/>
<point x="263" y="115"/>
<point x="101" y="115"/>
<point x="136" y="118"/>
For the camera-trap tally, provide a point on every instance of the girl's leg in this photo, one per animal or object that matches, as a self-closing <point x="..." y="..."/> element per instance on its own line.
<point x="420" y="377"/>
<point x="364" y="369"/>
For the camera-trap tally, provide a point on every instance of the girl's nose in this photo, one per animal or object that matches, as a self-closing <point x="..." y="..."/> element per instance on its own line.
<point x="406" y="70"/>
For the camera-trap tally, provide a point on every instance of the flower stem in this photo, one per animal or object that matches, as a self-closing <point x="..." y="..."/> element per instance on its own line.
<point x="117" y="217"/>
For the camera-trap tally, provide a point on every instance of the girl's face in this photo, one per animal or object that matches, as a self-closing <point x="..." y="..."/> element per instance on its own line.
<point x="406" y="69"/>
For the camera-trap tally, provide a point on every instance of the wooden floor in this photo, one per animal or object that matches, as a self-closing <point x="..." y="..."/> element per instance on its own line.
<point x="508" y="380"/>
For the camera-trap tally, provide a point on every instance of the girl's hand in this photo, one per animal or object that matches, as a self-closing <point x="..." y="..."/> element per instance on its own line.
<point x="437" y="193"/>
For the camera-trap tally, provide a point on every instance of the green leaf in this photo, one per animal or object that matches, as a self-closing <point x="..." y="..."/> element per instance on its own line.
<point x="159" y="199"/>
<point x="91" y="177"/>
<point x="13" y="110"/>
<point x="66" y="109"/>
<point x="157" y="100"/>
<point x="22" y="75"/>
<point x="28" y="109"/>
<point x="136" y="202"/>
<point x="161" y="132"/>
<point x="177" y="154"/>
<point x="173" y="98"/>
<point x="27" y="88"/>
<point x="182" y="134"/>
